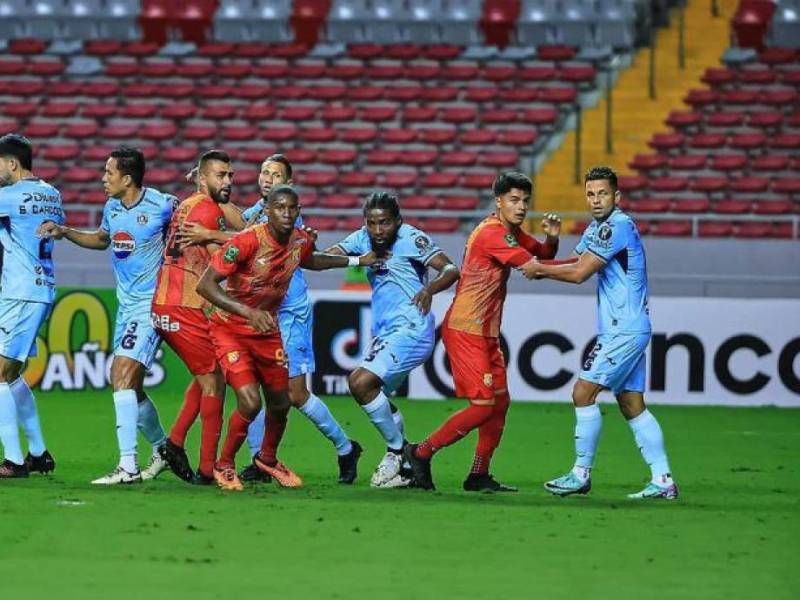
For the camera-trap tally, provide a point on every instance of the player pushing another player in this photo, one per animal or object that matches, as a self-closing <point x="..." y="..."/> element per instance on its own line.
<point x="258" y="265"/>
<point x="27" y="291"/>
<point x="471" y="331"/>
<point x="611" y="248"/>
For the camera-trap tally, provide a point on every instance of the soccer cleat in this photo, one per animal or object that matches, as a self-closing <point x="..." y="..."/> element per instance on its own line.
<point x="201" y="479"/>
<point x="653" y="490"/>
<point x="402" y="479"/>
<point x="388" y="469"/>
<point x="119" y="476"/>
<point x="227" y="479"/>
<point x="176" y="459"/>
<point x="348" y="464"/>
<point x="279" y="472"/>
<point x="43" y="464"/>
<point x="483" y="482"/>
<point x="11" y="470"/>
<point x="568" y="484"/>
<point x="420" y="468"/>
<point x="154" y="467"/>
<point x="251" y="473"/>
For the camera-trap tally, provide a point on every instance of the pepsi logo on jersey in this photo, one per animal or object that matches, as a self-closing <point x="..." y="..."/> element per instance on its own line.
<point x="123" y="244"/>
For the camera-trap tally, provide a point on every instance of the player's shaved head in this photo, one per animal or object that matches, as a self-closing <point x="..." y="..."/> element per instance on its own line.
<point x="13" y="145"/>
<point x="207" y="157"/>
<point x="600" y="173"/>
<point x="215" y="175"/>
<point x="282" y="190"/>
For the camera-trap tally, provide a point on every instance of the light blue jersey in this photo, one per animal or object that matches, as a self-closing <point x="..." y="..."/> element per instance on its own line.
<point x="295" y="318"/>
<point x="398" y="280"/>
<point x="26" y="260"/>
<point x="402" y="337"/>
<point x="137" y="248"/>
<point x="622" y="295"/>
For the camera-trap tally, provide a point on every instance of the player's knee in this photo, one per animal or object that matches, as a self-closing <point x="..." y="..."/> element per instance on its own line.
<point x="361" y="384"/>
<point x="212" y="384"/>
<point x="248" y="401"/>
<point x="631" y="405"/>
<point x="298" y="397"/>
<point x="9" y="370"/>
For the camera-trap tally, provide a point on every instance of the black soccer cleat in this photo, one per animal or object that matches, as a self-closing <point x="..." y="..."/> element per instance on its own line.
<point x="43" y="464"/>
<point x="11" y="470"/>
<point x="348" y="464"/>
<point x="177" y="460"/>
<point x="483" y="482"/>
<point x="420" y="468"/>
<point x="253" y="474"/>
<point x="201" y="479"/>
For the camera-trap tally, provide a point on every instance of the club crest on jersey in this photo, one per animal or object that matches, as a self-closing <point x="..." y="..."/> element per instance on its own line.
<point x="422" y="243"/>
<point x="221" y="223"/>
<point x="232" y="357"/>
<point x="142" y="219"/>
<point x="511" y="240"/>
<point x="122" y="244"/>
<point x="487" y="379"/>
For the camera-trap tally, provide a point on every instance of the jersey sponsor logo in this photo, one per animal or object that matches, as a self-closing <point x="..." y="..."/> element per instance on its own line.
<point x="231" y="254"/>
<point x="511" y="240"/>
<point x="142" y="219"/>
<point x="123" y="244"/>
<point x="164" y="323"/>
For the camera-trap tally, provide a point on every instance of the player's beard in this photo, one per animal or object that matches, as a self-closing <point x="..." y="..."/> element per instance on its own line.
<point x="217" y="196"/>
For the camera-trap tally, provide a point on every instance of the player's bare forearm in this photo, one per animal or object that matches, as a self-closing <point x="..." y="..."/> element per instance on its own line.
<point x="209" y="288"/>
<point x="93" y="240"/>
<point x="233" y="215"/>
<point x="337" y="250"/>
<point x="560" y="261"/>
<point x="549" y="247"/>
<point x="321" y="261"/>
<point x="576" y="271"/>
<point x="448" y="274"/>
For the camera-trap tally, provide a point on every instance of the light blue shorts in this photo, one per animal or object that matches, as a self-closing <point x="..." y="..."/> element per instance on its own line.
<point x="135" y="337"/>
<point x="393" y="355"/>
<point x="296" y="336"/>
<point x="618" y="362"/>
<point x="19" y="323"/>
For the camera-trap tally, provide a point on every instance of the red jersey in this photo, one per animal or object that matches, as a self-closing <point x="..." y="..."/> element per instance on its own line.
<point x="258" y="269"/>
<point x="490" y="253"/>
<point x="183" y="267"/>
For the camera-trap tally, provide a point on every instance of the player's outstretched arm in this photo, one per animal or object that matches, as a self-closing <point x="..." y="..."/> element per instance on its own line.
<point x="194" y="234"/>
<point x="94" y="240"/>
<point x="572" y="272"/>
<point x="209" y="288"/>
<point x="448" y="275"/>
<point x="321" y="261"/>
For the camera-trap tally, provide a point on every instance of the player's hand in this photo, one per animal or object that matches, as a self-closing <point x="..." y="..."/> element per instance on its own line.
<point x="50" y="230"/>
<point x="551" y="225"/>
<point x="312" y="232"/>
<point x="423" y="299"/>
<point x="531" y="269"/>
<point x="192" y="233"/>
<point x="191" y="176"/>
<point x="371" y="258"/>
<point x="261" y="321"/>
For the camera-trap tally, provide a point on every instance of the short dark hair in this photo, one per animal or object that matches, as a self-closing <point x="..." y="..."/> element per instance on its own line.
<point x="600" y="173"/>
<point x="130" y="161"/>
<point x="19" y="147"/>
<point x="509" y="180"/>
<point x="384" y="201"/>
<point x="282" y="190"/>
<point x="219" y="155"/>
<point x="281" y="158"/>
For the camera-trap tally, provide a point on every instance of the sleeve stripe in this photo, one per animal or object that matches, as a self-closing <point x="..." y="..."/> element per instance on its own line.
<point x="432" y="256"/>
<point x="598" y="255"/>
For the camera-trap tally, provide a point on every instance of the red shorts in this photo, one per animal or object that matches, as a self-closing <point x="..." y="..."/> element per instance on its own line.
<point x="479" y="370"/>
<point x="186" y="330"/>
<point x="248" y="358"/>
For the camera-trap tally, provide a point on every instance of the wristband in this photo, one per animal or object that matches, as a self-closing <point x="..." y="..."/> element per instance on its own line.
<point x="353" y="261"/>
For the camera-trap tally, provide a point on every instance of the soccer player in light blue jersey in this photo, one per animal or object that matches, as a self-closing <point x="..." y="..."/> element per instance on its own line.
<point x="134" y="222"/>
<point x="403" y="327"/>
<point x="295" y="322"/>
<point x="611" y="248"/>
<point x="27" y="290"/>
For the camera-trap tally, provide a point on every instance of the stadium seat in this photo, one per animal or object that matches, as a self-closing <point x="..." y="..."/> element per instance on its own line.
<point x="672" y="228"/>
<point x="732" y="207"/>
<point x="650" y="205"/>
<point x="715" y="229"/>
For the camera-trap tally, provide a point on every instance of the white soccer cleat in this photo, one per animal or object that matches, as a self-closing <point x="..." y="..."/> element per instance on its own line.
<point x="154" y="467"/>
<point x="398" y="481"/>
<point x="387" y="470"/>
<point x="119" y="476"/>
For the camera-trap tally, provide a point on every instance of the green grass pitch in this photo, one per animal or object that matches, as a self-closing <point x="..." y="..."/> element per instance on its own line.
<point x="733" y="533"/>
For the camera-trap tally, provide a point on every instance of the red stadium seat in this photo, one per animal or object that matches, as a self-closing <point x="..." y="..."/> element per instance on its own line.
<point x="179" y="111"/>
<point x="780" y="98"/>
<point x="578" y="74"/>
<point x="256" y="155"/>
<point x="478" y="180"/>
<point x="765" y="119"/>
<point x="220" y="112"/>
<point x="239" y="133"/>
<point x="423" y="71"/>
<point x="458" y="159"/>
<point x="648" y="162"/>
<point x="59" y="152"/>
<point x="749" y="185"/>
<point x="402" y="51"/>
<point x="340" y="201"/>
<point x="382" y="157"/>
<point x="379" y="113"/>
<point x="709" y="185"/>
<point x="178" y="154"/>
<point x="747" y="141"/>
<point x="337" y="156"/>
<point x="8" y="126"/>
<point x="499" y="159"/>
<point x="162" y="176"/>
<point x="739" y="97"/>
<point x="251" y="91"/>
<point x="440" y="225"/>
<point x="26" y="46"/>
<point x="13" y="66"/>
<point x="350" y="223"/>
<point x="631" y="184"/>
<point x="715" y="229"/>
<point x="334" y="113"/>
<point x="274" y="69"/>
<point x="399" y="136"/>
<point x="437" y="135"/>
<point x="403" y="93"/>
<point x="684" y="118"/>
<point x="195" y="69"/>
<point x="384" y="71"/>
<point x="519" y="95"/>
<point x="718" y="76"/>
<point x="318" y="178"/>
<point x="302" y="156"/>
<point x="99" y="110"/>
<point x="725" y="120"/>
<point x="416" y="114"/>
<point x="729" y="162"/>
<point x="259" y="112"/>
<point x="537" y="73"/>
<point x="480" y="93"/>
<point x="159" y="131"/>
<point x="459" y="114"/>
<point x="399" y="179"/>
<point x="22" y="110"/>
<point x="199" y="133"/>
<point x="365" y="93"/>
<point x="770" y="162"/>
<point x="439" y="180"/>
<point x="279" y="133"/>
<point x="498" y="72"/>
<point x="439" y="94"/>
<point x="478" y="137"/>
<point x="517" y="137"/>
<point x="672" y="228"/>
<point x="308" y="69"/>
<point x="499" y="115"/>
<point x="667" y="141"/>
<point x="418" y="202"/>
<point x="539" y="116"/>
<point x="419" y="157"/>
<point x="46" y="68"/>
<point x="83" y="130"/>
<point x="101" y="89"/>
<point x="698" y="99"/>
<point x="321" y="223"/>
<point x="138" y="110"/>
<point x="81" y="175"/>
<point x="140" y="90"/>
<point x="41" y="129"/>
<point x="102" y="47"/>
<point x="773" y="207"/>
<point x="79" y="218"/>
<point x="441" y="51"/>
<point x="253" y="50"/>
<point x="785" y="141"/>
<point x="786" y="185"/>
<point x="357" y="179"/>
<point x="299" y="113"/>
<point x="687" y="162"/>
<point x="707" y="141"/>
<point x="358" y="135"/>
<point x="345" y="71"/>
<point x="732" y="207"/>
<point x="753" y="229"/>
<point x="458" y="202"/>
<point x="461" y="71"/>
<point x="650" y="205"/>
<point x="290" y="92"/>
<point x="668" y="184"/>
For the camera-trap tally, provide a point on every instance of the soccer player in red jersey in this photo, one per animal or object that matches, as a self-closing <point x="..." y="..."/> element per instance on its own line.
<point x="471" y="331"/>
<point x="257" y="265"/>
<point x="178" y="316"/>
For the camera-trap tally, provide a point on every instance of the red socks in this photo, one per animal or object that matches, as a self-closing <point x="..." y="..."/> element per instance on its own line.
<point x="455" y="428"/>
<point x="237" y="432"/>
<point x="274" y="426"/>
<point x="211" y="421"/>
<point x="489" y="435"/>
<point x="187" y="414"/>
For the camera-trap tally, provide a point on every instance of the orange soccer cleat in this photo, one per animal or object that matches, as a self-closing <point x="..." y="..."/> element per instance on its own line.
<point x="279" y="472"/>
<point x="227" y="479"/>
